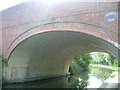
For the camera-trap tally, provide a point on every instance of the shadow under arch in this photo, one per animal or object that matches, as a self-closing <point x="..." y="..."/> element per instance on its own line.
<point x="48" y="54"/>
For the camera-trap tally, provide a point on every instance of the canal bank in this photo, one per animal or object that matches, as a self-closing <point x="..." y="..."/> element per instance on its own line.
<point x="86" y="79"/>
<point x="112" y="83"/>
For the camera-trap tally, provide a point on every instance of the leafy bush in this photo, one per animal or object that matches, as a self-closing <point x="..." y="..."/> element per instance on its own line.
<point x="83" y="60"/>
<point x="3" y="61"/>
<point x="104" y="59"/>
<point x="80" y="63"/>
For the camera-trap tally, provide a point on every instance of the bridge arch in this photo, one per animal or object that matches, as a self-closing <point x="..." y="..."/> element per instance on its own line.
<point x="41" y="44"/>
<point x="82" y="27"/>
<point x="47" y="54"/>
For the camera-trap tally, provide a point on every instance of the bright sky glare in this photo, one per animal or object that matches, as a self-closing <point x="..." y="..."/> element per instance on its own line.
<point x="4" y="4"/>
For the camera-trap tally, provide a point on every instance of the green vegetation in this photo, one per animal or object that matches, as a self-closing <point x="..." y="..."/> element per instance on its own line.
<point x="79" y="80"/>
<point x="0" y="70"/>
<point x="3" y="61"/>
<point x="101" y="72"/>
<point x="104" y="59"/>
<point x="114" y="74"/>
<point x="82" y="62"/>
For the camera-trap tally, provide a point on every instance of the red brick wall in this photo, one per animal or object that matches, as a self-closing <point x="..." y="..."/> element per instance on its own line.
<point x="87" y="17"/>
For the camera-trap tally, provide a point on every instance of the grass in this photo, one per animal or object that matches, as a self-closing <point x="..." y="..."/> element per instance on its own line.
<point x="116" y="71"/>
<point x="103" y="66"/>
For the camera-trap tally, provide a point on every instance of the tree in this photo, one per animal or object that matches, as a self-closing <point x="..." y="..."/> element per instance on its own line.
<point x="104" y="59"/>
<point x="83" y="60"/>
<point x="113" y="61"/>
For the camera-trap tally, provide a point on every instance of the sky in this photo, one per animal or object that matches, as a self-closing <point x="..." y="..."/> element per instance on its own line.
<point x="4" y="4"/>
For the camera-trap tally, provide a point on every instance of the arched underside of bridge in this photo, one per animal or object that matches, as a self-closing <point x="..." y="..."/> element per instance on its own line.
<point x="48" y="54"/>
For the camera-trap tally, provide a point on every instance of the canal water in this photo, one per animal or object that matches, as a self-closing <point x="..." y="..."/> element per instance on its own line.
<point x="93" y="78"/>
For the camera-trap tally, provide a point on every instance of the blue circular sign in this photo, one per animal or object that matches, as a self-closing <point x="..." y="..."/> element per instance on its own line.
<point x="111" y="16"/>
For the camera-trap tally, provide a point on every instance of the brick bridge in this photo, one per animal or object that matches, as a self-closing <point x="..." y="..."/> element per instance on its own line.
<point x="39" y="40"/>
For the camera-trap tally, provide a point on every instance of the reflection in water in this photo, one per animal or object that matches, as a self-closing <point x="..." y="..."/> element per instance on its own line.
<point x="78" y="81"/>
<point x="101" y="73"/>
<point x="89" y="79"/>
<point x="60" y="82"/>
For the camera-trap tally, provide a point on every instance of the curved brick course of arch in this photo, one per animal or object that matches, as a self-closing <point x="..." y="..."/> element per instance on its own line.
<point x="48" y="54"/>
<point x="59" y="27"/>
<point x="39" y="40"/>
<point x="19" y="19"/>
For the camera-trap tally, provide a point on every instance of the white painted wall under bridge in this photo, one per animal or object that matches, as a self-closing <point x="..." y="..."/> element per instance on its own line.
<point x="48" y="54"/>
